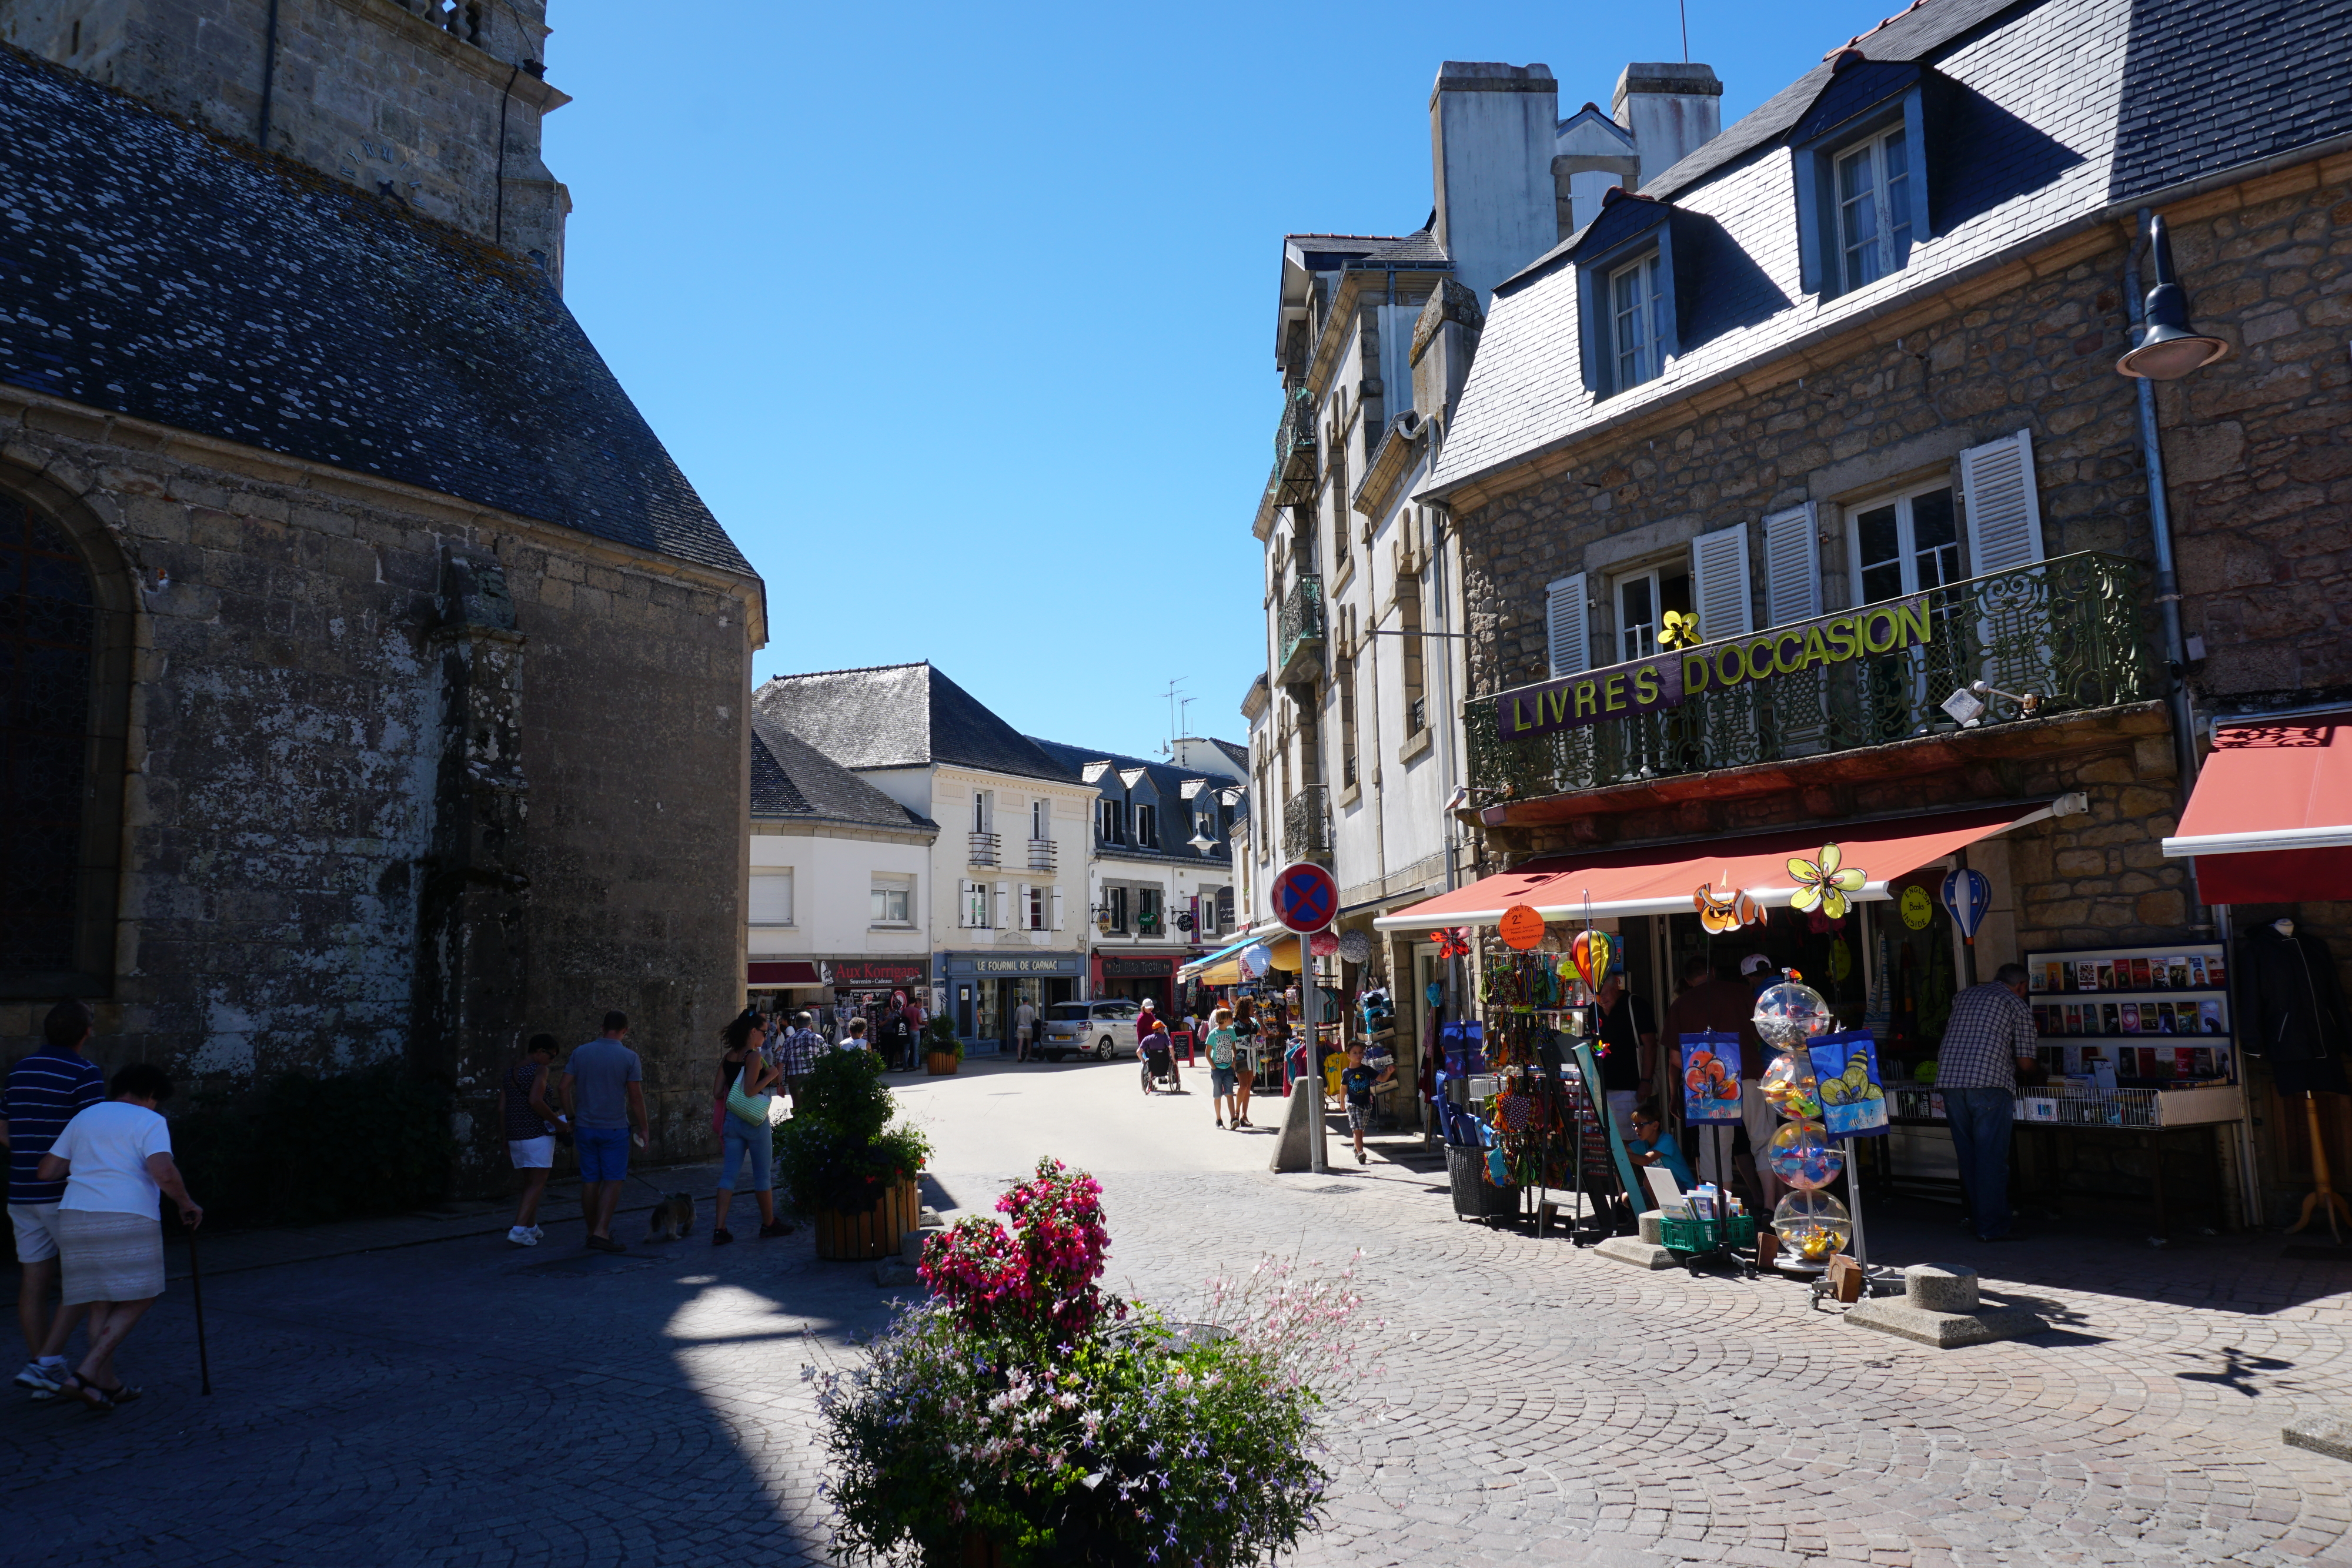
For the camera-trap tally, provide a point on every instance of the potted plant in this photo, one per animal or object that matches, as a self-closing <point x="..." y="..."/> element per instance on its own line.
<point x="942" y="1051"/>
<point x="845" y="1164"/>
<point x="1023" y="1419"/>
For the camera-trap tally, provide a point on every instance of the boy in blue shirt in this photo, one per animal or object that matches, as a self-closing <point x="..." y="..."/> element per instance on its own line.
<point x="1648" y="1147"/>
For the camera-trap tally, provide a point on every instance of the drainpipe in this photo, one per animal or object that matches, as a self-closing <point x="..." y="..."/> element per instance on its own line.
<point x="2160" y="518"/>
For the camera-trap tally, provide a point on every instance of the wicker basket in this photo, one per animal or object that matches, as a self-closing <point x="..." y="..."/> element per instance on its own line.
<point x="876" y="1232"/>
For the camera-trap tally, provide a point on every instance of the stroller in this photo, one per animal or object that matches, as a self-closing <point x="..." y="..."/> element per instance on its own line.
<point x="1158" y="1065"/>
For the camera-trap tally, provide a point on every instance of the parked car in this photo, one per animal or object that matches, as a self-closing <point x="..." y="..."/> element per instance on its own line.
<point x="1100" y="1029"/>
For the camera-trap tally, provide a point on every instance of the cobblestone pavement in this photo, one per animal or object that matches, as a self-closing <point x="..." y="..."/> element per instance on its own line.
<point x="460" y="1402"/>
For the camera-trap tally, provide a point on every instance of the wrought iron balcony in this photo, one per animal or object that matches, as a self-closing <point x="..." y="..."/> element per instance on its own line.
<point x="1294" y="436"/>
<point x="1307" y="824"/>
<point x="1041" y="854"/>
<point x="2072" y="631"/>
<point x="1299" y="642"/>
<point x="986" y="849"/>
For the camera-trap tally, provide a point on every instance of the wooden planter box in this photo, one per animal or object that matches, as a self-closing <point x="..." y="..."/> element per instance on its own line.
<point x="940" y="1065"/>
<point x="876" y="1233"/>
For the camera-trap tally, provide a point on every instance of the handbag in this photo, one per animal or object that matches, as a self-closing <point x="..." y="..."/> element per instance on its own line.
<point x="751" y="1108"/>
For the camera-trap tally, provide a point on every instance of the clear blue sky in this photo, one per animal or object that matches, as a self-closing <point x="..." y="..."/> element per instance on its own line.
<point x="961" y="319"/>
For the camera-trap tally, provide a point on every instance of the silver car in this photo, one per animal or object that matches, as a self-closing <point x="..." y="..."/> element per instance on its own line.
<point x="1100" y="1029"/>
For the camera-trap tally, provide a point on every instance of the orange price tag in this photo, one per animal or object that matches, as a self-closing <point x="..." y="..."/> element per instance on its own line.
<point x="1523" y="928"/>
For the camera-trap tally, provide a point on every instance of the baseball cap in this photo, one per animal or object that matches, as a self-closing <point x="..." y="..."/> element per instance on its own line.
<point x="1754" y="963"/>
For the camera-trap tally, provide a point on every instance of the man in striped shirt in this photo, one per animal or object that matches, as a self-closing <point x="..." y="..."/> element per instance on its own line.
<point x="46" y="1091"/>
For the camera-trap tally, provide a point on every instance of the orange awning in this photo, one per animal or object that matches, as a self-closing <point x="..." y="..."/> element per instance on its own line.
<point x="1660" y="878"/>
<point x="2271" y="819"/>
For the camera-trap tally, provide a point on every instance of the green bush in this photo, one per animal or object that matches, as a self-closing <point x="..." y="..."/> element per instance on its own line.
<point x="308" y="1149"/>
<point x="940" y="1038"/>
<point x="839" y="1150"/>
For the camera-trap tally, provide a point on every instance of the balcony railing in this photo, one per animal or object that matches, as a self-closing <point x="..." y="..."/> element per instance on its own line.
<point x="2071" y="631"/>
<point x="1294" y="437"/>
<point x="986" y="849"/>
<point x="1041" y="854"/>
<point x="1299" y="640"/>
<point x="1307" y="824"/>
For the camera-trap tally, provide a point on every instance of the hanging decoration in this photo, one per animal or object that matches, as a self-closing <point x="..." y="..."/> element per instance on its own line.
<point x="1257" y="960"/>
<point x="1322" y="944"/>
<point x="1678" y="629"/>
<point x="1522" y="927"/>
<point x="1853" y="1101"/>
<point x="1967" y="895"/>
<point x="1355" y="947"/>
<point x="1452" y="942"/>
<point x="1595" y="954"/>
<point x="1434" y="993"/>
<point x="1823" y="883"/>
<point x="1722" y="909"/>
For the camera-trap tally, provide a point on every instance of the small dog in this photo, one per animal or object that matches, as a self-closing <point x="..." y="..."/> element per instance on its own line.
<point x="672" y="1219"/>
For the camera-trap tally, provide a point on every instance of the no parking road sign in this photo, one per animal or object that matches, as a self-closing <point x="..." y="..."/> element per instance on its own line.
<point x="1305" y="896"/>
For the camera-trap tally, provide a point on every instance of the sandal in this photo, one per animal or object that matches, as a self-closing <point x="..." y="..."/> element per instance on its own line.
<point x="89" y="1393"/>
<point x="123" y="1393"/>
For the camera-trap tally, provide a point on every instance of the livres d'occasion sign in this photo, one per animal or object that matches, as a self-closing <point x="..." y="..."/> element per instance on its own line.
<point x="1668" y="680"/>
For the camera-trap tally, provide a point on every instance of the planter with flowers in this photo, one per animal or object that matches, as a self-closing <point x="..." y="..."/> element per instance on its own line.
<point x="1024" y="1418"/>
<point x="942" y="1051"/>
<point x="845" y="1165"/>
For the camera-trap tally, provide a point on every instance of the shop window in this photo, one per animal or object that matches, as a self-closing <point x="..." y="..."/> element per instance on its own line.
<point x="893" y="900"/>
<point x="64" y="662"/>
<point x="771" y="898"/>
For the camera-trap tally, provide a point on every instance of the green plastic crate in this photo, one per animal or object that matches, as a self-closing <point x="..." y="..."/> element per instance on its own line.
<point x="1706" y="1235"/>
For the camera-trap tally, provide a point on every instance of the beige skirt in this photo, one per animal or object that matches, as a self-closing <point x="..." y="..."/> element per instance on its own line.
<point x="110" y="1257"/>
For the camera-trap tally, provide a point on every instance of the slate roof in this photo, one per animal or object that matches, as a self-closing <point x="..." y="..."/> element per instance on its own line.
<point x="1417" y="249"/>
<point x="790" y="780"/>
<point x="2055" y="114"/>
<point x="151" y="270"/>
<point x="1167" y="781"/>
<point x="900" y="715"/>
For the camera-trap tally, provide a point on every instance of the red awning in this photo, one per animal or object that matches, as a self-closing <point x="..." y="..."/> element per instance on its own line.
<point x="1661" y="879"/>
<point x="781" y="973"/>
<point x="2271" y="819"/>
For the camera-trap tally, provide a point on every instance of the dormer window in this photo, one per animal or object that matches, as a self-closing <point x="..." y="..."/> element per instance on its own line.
<point x="1873" y="194"/>
<point x="1638" y="325"/>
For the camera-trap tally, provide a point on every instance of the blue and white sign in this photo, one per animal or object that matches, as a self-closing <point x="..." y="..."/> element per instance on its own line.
<point x="1967" y="896"/>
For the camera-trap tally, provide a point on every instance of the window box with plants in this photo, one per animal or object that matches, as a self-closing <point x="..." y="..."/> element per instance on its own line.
<point x="848" y="1167"/>
<point x="1023" y="1419"/>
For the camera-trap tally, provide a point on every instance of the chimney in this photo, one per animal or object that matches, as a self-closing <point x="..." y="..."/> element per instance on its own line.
<point x="1491" y="129"/>
<point x="1672" y="110"/>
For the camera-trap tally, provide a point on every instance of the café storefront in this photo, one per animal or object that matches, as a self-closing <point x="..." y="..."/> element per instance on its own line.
<point x="983" y="991"/>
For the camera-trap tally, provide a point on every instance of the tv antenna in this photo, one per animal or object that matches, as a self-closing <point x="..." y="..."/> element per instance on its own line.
<point x="1173" y="711"/>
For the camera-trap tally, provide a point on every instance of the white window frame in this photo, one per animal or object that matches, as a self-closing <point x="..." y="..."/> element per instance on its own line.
<point x="983" y="810"/>
<point x="1628" y="645"/>
<point x="1906" y="540"/>
<point x="1041" y="818"/>
<point x="1643" y="358"/>
<point x="883" y="886"/>
<point x="1147" y="825"/>
<point x="774" y="878"/>
<point x="1890" y="246"/>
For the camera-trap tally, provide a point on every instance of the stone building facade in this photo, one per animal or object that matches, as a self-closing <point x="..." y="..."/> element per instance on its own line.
<point x="1954" y="403"/>
<point x="379" y="685"/>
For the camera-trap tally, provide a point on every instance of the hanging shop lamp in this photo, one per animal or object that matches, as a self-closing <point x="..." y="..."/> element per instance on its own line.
<point x="2166" y="346"/>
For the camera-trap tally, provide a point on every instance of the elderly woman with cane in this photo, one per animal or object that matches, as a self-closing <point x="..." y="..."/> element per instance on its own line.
<point x="115" y="1159"/>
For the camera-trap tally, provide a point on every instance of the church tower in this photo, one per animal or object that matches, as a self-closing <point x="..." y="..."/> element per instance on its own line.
<point x="433" y="103"/>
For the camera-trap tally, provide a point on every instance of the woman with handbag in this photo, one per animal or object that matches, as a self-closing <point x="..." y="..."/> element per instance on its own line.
<point x="1245" y="1059"/>
<point x="745" y="1077"/>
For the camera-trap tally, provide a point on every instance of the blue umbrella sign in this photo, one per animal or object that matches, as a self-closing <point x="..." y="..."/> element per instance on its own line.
<point x="1968" y="895"/>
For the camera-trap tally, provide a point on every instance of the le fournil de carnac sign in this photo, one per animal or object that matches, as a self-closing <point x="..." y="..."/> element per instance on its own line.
<point x="1667" y="680"/>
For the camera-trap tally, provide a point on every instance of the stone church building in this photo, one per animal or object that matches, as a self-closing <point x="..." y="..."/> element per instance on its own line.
<point x="372" y="685"/>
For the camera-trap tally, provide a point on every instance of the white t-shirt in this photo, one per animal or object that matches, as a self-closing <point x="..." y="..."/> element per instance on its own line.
<point x="108" y="1146"/>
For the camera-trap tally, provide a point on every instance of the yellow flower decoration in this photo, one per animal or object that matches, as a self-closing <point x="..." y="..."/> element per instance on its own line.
<point x="1679" y="630"/>
<point x="1824" y="885"/>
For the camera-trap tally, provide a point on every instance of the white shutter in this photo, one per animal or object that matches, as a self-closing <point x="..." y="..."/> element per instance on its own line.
<point x="1564" y="631"/>
<point x="1003" y="908"/>
<point x="1793" y="568"/>
<point x="1057" y="909"/>
<point x="771" y="898"/>
<point x="1719" y="590"/>
<point x="2003" y="511"/>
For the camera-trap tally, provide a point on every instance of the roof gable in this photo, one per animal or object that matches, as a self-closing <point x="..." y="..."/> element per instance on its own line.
<point x="791" y="779"/>
<point x="153" y="271"/>
<point x="900" y="715"/>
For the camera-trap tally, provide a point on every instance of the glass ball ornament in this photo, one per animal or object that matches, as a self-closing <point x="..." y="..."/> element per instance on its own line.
<point x="1802" y="1156"/>
<point x="1812" y="1225"/>
<point x="1790" y="1014"/>
<point x="1789" y="1086"/>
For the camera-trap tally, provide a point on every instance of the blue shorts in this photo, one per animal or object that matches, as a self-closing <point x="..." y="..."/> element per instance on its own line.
<point x="1221" y="1082"/>
<point x="603" y="1153"/>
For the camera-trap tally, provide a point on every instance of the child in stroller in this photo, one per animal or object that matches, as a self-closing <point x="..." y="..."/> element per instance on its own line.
<point x="1158" y="1055"/>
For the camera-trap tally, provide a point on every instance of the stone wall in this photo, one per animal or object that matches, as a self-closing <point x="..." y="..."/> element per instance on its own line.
<point x="286" y="710"/>
<point x="406" y="97"/>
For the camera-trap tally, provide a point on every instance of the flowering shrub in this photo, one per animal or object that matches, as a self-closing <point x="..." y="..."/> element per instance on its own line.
<point x="1016" y="1409"/>
<point x="1038" y="1280"/>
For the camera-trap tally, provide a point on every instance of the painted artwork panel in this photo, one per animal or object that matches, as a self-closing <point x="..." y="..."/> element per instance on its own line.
<point x="1710" y="1078"/>
<point x="1854" y="1101"/>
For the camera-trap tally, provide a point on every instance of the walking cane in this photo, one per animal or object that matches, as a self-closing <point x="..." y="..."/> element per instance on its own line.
<point x="197" y="1290"/>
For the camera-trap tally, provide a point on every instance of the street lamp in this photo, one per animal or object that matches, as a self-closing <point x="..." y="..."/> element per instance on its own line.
<point x="2166" y="348"/>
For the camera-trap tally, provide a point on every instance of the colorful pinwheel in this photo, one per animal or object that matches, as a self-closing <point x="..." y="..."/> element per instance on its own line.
<point x="1823" y="884"/>
<point x="1452" y="942"/>
<point x="1678" y="629"/>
